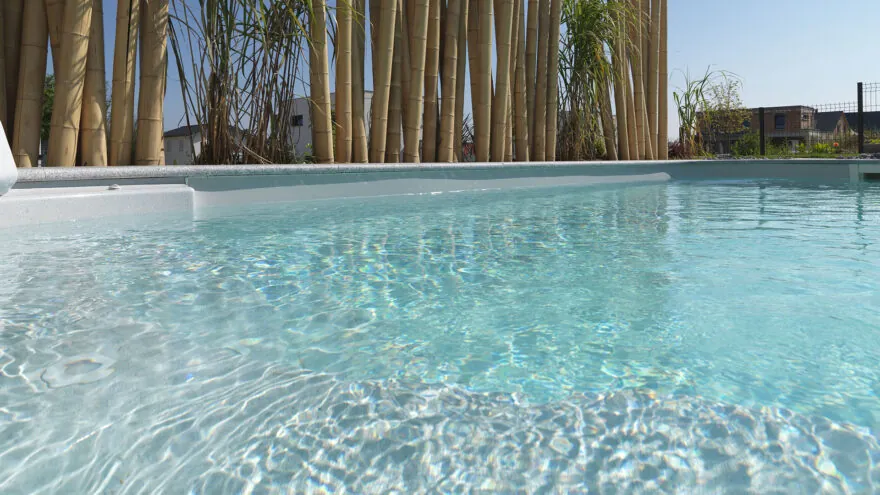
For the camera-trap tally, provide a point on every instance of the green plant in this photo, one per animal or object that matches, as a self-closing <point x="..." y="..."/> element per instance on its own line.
<point x="822" y="148"/>
<point x="748" y="145"/>
<point x="584" y="73"/>
<point x="690" y="100"/>
<point x="48" y="102"/>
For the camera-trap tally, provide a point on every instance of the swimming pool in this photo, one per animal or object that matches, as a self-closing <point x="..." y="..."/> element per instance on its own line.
<point x="686" y="335"/>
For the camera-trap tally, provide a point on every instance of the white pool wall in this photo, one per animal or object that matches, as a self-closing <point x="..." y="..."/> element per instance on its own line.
<point x="46" y="195"/>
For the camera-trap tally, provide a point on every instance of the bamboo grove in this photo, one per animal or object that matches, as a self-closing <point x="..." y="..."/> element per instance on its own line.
<point x="453" y="80"/>
<point x="81" y="131"/>
<point x="542" y="74"/>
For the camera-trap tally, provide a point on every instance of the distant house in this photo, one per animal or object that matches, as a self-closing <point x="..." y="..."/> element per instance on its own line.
<point x="796" y="125"/>
<point x="302" y="121"/>
<point x="180" y="144"/>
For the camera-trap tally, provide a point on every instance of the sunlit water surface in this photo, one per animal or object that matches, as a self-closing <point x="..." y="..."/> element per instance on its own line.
<point x="709" y="337"/>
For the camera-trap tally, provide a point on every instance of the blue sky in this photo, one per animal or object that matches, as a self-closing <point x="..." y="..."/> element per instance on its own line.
<point x="787" y="52"/>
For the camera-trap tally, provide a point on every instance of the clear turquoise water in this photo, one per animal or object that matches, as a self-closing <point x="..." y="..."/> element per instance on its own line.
<point x="689" y="337"/>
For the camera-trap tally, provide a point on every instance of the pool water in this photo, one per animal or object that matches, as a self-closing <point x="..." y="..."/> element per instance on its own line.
<point x="709" y="337"/>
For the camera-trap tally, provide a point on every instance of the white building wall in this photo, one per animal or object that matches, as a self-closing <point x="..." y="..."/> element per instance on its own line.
<point x="178" y="150"/>
<point x="302" y="134"/>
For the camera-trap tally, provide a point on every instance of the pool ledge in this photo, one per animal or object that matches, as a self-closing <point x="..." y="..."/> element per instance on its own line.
<point x="45" y="195"/>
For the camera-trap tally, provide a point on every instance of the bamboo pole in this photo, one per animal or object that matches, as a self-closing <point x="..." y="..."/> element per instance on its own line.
<point x="149" y="145"/>
<point x="322" y="126"/>
<point x="618" y="61"/>
<point x="432" y="70"/>
<point x="360" y="152"/>
<point x="473" y="38"/>
<point x="382" y="85"/>
<point x="448" y="112"/>
<point x="607" y="119"/>
<point x="643" y="17"/>
<point x="12" y="17"/>
<point x="69" y="83"/>
<point x="499" y="105"/>
<point x="521" y="126"/>
<point x="375" y="7"/>
<point x="6" y="125"/>
<point x="508" y="128"/>
<point x="463" y="20"/>
<point x="418" y="52"/>
<point x="55" y="15"/>
<point x="395" y="105"/>
<point x="343" y="81"/>
<point x="663" y="104"/>
<point x="540" y="126"/>
<point x="32" y="77"/>
<point x="654" y="70"/>
<point x="553" y="81"/>
<point x="93" y="126"/>
<point x="483" y="71"/>
<point x="531" y="69"/>
<point x="635" y="62"/>
<point x="122" y="103"/>
<point x="508" y="125"/>
<point x="406" y="61"/>
<point x="632" y="141"/>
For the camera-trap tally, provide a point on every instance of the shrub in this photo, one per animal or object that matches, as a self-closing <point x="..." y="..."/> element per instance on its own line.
<point x="822" y="149"/>
<point x="748" y="145"/>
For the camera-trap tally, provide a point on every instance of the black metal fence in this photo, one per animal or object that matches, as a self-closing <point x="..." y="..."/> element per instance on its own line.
<point x="809" y="130"/>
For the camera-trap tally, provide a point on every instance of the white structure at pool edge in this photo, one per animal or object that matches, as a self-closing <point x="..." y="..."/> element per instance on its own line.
<point x="8" y="172"/>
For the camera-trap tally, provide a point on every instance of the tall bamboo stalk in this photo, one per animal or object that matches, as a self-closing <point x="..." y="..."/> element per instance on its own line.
<point x="406" y="60"/>
<point x="395" y="104"/>
<point x="531" y="69"/>
<point x="663" y="91"/>
<point x="643" y="17"/>
<point x="122" y="103"/>
<point x="32" y="76"/>
<point x="319" y="80"/>
<point x="618" y="61"/>
<point x="93" y="126"/>
<point x="343" y="93"/>
<point x="55" y="15"/>
<point x="382" y="83"/>
<point x="635" y="61"/>
<point x="463" y="20"/>
<point x="483" y="73"/>
<point x="432" y="71"/>
<point x="6" y="125"/>
<point x="69" y="83"/>
<point x="474" y="67"/>
<point x="539" y="148"/>
<point x="607" y="119"/>
<point x="633" y="141"/>
<point x="508" y="128"/>
<point x="654" y="70"/>
<point x="149" y="145"/>
<point x="375" y="8"/>
<point x="521" y="126"/>
<point x="12" y="17"/>
<point x="553" y="81"/>
<point x="446" y="152"/>
<point x="419" y="42"/>
<point x="360" y="152"/>
<point x="499" y="106"/>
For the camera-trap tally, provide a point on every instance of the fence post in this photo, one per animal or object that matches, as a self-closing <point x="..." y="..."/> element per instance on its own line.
<point x="861" y="118"/>
<point x="761" y="127"/>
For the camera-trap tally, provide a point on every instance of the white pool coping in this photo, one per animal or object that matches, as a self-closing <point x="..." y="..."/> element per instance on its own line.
<point x="46" y="195"/>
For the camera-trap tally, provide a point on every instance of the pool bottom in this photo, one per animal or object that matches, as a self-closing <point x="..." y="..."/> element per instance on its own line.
<point x="262" y="428"/>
